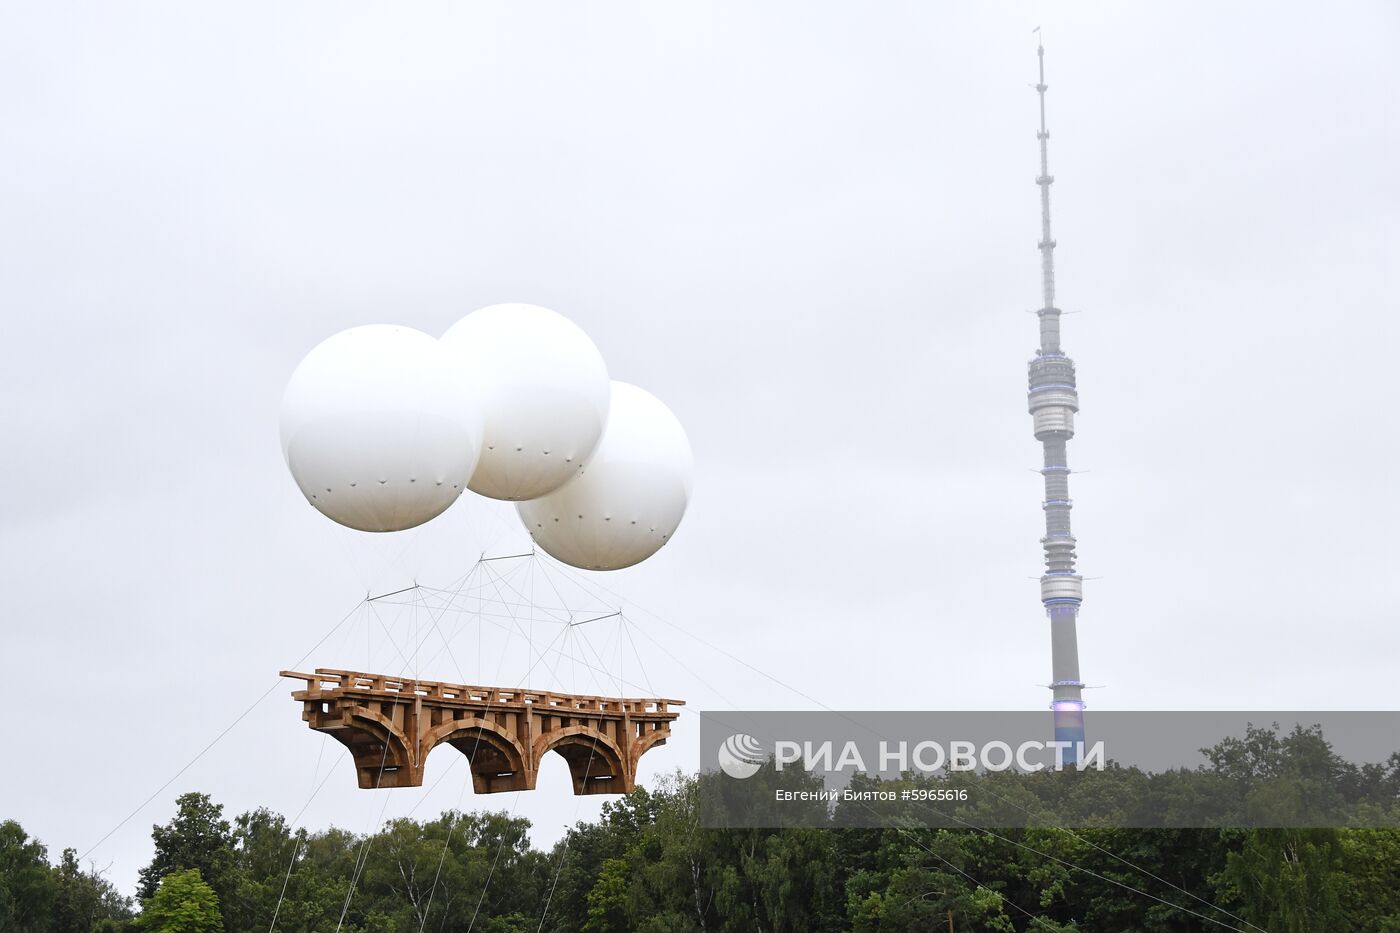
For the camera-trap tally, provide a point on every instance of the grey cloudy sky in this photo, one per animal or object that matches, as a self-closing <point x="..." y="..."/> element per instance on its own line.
<point x="808" y="227"/>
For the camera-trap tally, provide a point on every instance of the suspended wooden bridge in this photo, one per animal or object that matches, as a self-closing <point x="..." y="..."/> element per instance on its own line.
<point x="390" y="725"/>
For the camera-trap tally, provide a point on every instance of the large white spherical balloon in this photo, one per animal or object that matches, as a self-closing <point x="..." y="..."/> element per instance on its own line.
<point x="629" y="498"/>
<point x="378" y="429"/>
<point x="542" y="388"/>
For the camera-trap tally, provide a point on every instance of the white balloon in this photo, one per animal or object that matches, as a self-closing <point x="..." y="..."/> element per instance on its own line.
<point x="542" y="388"/>
<point x="628" y="499"/>
<point x="378" y="429"/>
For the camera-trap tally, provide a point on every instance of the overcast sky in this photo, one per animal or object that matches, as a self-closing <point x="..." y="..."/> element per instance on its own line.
<point x="809" y="228"/>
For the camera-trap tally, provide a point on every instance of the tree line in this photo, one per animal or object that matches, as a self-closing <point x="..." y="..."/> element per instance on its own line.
<point x="648" y="864"/>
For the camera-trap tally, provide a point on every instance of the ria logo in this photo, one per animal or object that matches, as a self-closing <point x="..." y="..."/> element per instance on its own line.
<point x="741" y="756"/>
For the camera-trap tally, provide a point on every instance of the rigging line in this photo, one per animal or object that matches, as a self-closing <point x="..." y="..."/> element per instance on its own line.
<point x="320" y="753"/>
<point x="286" y="879"/>
<point x="392" y="643"/>
<point x="627" y="630"/>
<point x="602" y="669"/>
<point x="429" y="792"/>
<point x="326" y="777"/>
<point x="457" y="812"/>
<point x="570" y="645"/>
<point x="564" y="610"/>
<point x="637" y="653"/>
<point x="512" y="810"/>
<point x="1038" y="918"/>
<point x="500" y="844"/>
<point x="508" y="557"/>
<point x="1156" y="877"/>
<point x="435" y="627"/>
<point x="510" y="633"/>
<point x="515" y="623"/>
<point x="462" y="620"/>
<point x="561" y="656"/>
<point x="544" y="571"/>
<point x="563" y="601"/>
<point x="363" y="859"/>
<point x="453" y="589"/>
<point x="592" y="672"/>
<point x="530" y="601"/>
<point x="590" y="591"/>
<point x="530" y="649"/>
<point x="370" y="599"/>
<point x="296" y="842"/>
<point x="489" y="513"/>
<point x="530" y="620"/>
<point x="610" y="615"/>
<point x="448" y="648"/>
<point x="419" y="643"/>
<point x="509" y="630"/>
<point x="713" y="647"/>
<point x="456" y="817"/>
<point x="414" y="536"/>
<point x="226" y="730"/>
<point x="349" y="635"/>
<point x="687" y="668"/>
<point x="464" y="610"/>
<point x="1137" y="867"/>
<point x="1090" y="871"/>
<point x="601" y="686"/>
<point x="587" y="770"/>
<point x="600" y="689"/>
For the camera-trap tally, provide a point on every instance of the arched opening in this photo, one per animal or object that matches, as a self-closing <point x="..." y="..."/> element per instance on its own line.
<point x="380" y="753"/>
<point x="595" y="764"/>
<point x="497" y="761"/>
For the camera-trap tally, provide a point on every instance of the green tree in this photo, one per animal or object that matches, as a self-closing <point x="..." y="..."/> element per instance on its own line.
<point x="1370" y="879"/>
<point x="182" y="903"/>
<point x="263" y="847"/>
<point x="26" y="885"/>
<point x="607" y="900"/>
<point x="1287" y="880"/>
<point x="84" y="899"/>
<point x="315" y="886"/>
<point x="198" y="837"/>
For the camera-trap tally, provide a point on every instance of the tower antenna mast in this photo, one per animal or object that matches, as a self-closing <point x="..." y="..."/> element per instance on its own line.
<point x="1053" y="402"/>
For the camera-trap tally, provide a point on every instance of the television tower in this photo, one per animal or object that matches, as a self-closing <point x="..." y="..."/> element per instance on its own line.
<point x="1053" y="401"/>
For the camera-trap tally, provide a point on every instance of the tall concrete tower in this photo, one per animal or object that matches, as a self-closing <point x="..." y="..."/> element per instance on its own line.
<point x="1053" y="401"/>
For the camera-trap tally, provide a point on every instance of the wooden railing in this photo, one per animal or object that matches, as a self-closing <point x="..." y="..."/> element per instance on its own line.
<point x="330" y="680"/>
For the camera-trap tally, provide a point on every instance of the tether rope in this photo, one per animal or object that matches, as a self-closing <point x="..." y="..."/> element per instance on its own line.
<point x="226" y="730"/>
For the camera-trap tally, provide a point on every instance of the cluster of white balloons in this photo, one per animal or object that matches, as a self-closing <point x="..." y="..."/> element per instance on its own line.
<point x="384" y="426"/>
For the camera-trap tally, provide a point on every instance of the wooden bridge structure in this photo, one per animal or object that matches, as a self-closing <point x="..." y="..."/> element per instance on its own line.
<point x="390" y="725"/>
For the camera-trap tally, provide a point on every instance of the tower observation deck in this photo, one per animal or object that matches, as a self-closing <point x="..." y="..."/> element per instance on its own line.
<point x="1053" y="401"/>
